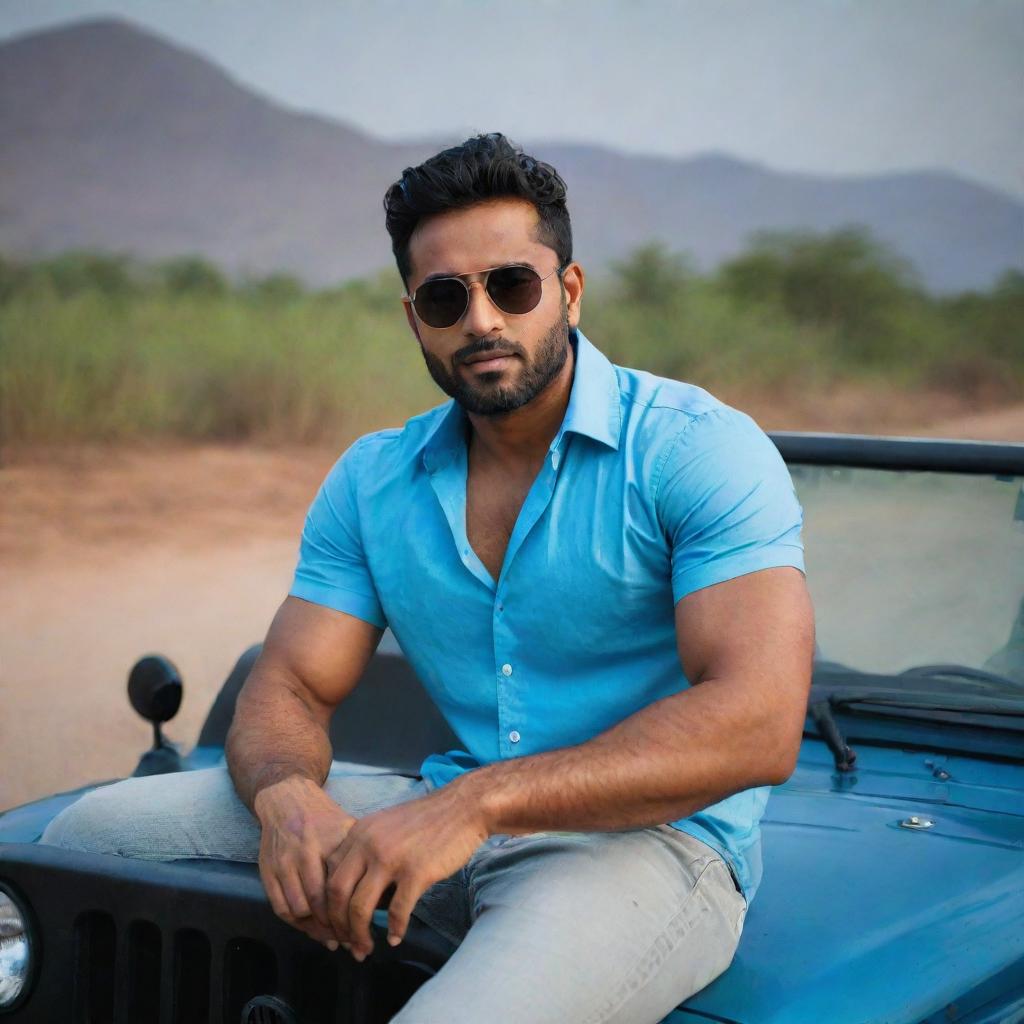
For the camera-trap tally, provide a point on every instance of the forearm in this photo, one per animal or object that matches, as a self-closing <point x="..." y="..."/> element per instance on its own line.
<point x="278" y="731"/>
<point x="663" y="763"/>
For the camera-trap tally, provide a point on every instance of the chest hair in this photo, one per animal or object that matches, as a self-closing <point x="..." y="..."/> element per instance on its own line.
<point x="494" y="497"/>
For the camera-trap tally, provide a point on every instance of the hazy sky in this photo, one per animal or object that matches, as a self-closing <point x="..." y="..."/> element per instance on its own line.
<point x="827" y="86"/>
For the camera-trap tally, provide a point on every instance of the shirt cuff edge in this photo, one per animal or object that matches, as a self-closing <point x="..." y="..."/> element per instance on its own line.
<point x="340" y="599"/>
<point x="744" y="565"/>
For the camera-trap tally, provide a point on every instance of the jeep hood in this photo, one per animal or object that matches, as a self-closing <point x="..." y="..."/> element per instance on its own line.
<point x="860" y="919"/>
<point x="857" y="918"/>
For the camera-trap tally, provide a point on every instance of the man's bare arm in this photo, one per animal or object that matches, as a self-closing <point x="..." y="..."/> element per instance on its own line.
<point x="279" y="752"/>
<point x="747" y="646"/>
<point x="311" y="660"/>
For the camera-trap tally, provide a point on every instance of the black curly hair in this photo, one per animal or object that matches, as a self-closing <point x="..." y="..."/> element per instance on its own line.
<point x="482" y="167"/>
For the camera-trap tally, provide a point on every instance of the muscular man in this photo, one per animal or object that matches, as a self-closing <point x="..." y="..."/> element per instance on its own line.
<point x="597" y="575"/>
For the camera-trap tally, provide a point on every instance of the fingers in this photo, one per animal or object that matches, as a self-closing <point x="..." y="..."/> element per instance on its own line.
<point x="343" y="877"/>
<point x="316" y="931"/>
<point x="273" y="890"/>
<point x="294" y="894"/>
<point x="406" y="897"/>
<point x="300" y="826"/>
<point x="313" y="878"/>
<point x="361" y="906"/>
<point x="290" y="898"/>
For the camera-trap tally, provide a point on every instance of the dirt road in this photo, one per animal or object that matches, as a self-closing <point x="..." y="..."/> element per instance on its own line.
<point x="107" y="555"/>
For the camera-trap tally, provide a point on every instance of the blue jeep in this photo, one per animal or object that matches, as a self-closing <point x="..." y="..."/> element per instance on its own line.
<point x="893" y="886"/>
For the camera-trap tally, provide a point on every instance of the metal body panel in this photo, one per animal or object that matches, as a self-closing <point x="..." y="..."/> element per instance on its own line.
<point x="856" y="918"/>
<point x="248" y="951"/>
<point x="860" y="920"/>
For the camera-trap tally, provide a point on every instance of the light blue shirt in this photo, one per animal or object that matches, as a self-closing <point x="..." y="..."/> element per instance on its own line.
<point x="651" y="489"/>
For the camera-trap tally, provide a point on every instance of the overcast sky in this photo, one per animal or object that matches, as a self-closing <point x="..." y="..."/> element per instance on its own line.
<point x="826" y="86"/>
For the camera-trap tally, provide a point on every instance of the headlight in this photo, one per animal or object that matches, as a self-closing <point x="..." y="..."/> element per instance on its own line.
<point x="15" y="950"/>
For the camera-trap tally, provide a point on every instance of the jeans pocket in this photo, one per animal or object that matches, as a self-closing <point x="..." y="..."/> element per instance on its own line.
<point x="741" y="917"/>
<point x="685" y="839"/>
<point x="727" y="895"/>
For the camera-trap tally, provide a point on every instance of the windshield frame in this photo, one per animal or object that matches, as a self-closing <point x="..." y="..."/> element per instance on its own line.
<point x="863" y="451"/>
<point x="872" y="725"/>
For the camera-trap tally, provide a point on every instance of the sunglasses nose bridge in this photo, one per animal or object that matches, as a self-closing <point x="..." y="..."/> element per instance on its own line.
<point x="482" y="314"/>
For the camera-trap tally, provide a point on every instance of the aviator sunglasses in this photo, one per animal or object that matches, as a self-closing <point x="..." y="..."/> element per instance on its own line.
<point x="513" y="288"/>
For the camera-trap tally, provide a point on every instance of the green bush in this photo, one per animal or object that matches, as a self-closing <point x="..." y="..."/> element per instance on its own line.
<point x="843" y="282"/>
<point x="96" y="347"/>
<point x="652" y="277"/>
<point x="77" y="271"/>
<point x="192" y="275"/>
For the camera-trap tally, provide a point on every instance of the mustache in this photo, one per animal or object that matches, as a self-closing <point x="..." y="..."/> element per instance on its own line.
<point x="482" y="345"/>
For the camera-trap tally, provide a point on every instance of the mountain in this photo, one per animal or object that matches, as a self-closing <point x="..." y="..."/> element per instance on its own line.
<point x="112" y="138"/>
<point x="955" y="233"/>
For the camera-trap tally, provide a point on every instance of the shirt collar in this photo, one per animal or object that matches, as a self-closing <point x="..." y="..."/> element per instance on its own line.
<point x="594" y="408"/>
<point x="443" y="441"/>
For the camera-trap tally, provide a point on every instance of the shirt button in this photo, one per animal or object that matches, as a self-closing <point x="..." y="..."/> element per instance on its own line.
<point x="514" y="736"/>
<point x="506" y="670"/>
<point x="555" y="459"/>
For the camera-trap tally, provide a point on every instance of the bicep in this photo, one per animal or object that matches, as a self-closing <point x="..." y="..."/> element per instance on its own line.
<point x="322" y="651"/>
<point x="748" y="625"/>
<point x="753" y="637"/>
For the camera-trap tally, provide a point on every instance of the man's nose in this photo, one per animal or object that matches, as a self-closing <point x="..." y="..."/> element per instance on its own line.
<point x="482" y="316"/>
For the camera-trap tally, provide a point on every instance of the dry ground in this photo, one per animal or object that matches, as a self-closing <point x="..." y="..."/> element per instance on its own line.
<point x="107" y="554"/>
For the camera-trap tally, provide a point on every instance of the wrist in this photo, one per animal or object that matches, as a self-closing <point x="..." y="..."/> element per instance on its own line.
<point x="289" y="789"/>
<point x="480" y="791"/>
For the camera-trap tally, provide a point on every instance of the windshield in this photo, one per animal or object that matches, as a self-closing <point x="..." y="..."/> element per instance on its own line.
<point x="914" y="568"/>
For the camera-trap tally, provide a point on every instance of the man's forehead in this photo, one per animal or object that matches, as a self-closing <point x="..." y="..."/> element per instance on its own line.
<point x="475" y="238"/>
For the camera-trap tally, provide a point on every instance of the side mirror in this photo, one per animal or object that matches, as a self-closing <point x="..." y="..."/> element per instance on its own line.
<point x="154" y="690"/>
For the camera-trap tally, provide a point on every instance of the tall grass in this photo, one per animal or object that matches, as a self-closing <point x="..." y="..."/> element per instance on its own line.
<point x="94" y="367"/>
<point x="98" y="348"/>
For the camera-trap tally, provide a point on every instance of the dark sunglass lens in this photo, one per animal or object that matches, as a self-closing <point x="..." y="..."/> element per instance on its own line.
<point x="440" y="303"/>
<point x="514" y="289"/>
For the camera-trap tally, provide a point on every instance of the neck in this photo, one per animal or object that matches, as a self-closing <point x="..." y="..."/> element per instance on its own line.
<point x="525" y="434"/>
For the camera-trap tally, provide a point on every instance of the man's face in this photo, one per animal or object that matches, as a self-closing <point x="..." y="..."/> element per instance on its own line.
<point x="526" y="351"/>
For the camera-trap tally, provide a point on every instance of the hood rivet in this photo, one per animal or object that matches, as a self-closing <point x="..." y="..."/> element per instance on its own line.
<point x="917" y="822"/>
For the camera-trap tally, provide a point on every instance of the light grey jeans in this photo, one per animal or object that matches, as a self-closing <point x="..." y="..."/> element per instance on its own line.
<point x="558" y="927"/>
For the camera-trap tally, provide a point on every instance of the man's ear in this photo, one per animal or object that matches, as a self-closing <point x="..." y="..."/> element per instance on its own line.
<point x="411" y="317"/>
<point x="573" y="282"/>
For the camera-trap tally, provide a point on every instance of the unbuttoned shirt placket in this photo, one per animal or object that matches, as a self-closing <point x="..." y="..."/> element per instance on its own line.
<point x="511" y="680"/>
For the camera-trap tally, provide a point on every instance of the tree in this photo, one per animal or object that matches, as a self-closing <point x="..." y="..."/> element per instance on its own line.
<point x="192" y="275"/>
<point x="112" y="275"/>
<point x="651" y="275"/>
<point x="844" y="280"/>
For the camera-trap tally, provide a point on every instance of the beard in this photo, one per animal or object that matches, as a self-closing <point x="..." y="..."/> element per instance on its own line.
<point x="486" y="395"/>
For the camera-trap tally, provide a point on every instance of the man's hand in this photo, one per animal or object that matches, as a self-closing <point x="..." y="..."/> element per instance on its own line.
<point x="301" y="827"/>
<point x="410" y="846"/>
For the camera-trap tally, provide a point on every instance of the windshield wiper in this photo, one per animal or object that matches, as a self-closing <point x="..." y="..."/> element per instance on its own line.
<point x="930" y="702"/>
<point x="840" y="690"/>
<point x="964" y="673"/>
<point x="845" y="756"/>
<point x="933" y="711"/>
<point x="948" y="689"/>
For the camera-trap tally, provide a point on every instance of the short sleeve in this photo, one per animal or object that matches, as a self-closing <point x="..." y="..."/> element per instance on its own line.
<point x="725" y="500"/>
<point x="332" y="568"/>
